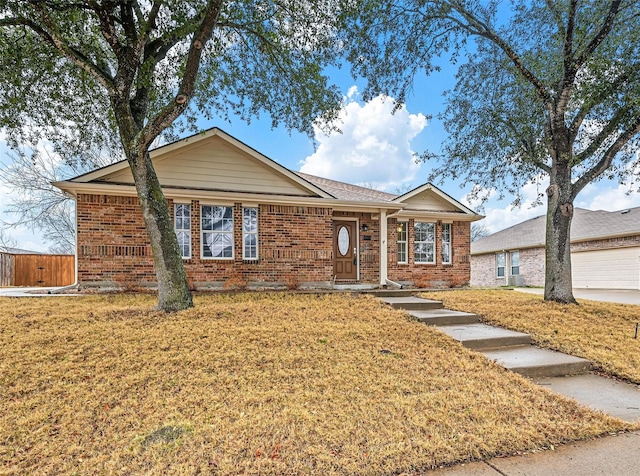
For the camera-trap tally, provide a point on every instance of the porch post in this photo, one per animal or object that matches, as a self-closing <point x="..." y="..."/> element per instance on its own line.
<point x="383" y="247"/>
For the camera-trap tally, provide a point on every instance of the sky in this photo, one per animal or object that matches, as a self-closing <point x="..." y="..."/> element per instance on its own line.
<point x="375" y="149"/>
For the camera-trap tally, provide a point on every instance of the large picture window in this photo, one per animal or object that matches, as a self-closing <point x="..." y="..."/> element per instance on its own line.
<point x="182" y="225"/>
<point x="217" y="232"/>
<point x="249" y="233"/>
<point x="446" y="243"/>
<point x="424" y="245"/>
<point x="402" y="242"/>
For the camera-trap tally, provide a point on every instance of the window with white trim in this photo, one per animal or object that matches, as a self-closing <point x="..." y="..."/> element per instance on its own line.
<point x="250" y="233"/>
<point x="500" y="264"/>
<point x="217" y="231"/>
<point x="446" y="243"/>
<point x="424" y="244"/>
<point x="514" y="260"/>
<point x="182" y="225"/>
<point x="402" y="242"/>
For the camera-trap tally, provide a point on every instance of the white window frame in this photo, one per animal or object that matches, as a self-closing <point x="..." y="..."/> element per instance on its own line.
<point x="446" y="243"/>
<point x="405" y="242"/>
<point x="504" y="264"/>
<point x="417" y="242"/>
<point x="179" y="226"/>
<point x="253" y="232"/>
<point x="223" y="233"/>
<point x="511" y="266"/>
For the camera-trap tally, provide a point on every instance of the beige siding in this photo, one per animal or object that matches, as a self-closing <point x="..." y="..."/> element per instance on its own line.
<point x="215" y="165"/>
<point x="428" y="200"/>
<point x="607" y="269"/>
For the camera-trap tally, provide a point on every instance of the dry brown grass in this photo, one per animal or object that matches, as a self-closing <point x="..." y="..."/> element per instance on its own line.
<point x="256" y="384"/>
<point x="598" y="331"/>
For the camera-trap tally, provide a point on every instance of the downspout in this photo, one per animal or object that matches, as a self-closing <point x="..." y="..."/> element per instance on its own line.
<point x="75" y="283"/>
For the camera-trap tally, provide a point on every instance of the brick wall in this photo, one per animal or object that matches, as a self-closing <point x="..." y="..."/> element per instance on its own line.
<point x="431" y="275"/>
<point x="295" y="245"/>
<point x="483" y="269"/>
<point x="619" y="242"/>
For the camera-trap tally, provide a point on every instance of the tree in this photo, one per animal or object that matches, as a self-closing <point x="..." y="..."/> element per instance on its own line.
<point x="479" y="231"/>
<point x="36" y="203"/>
<point x="130" y="68"/>
<point x="549" y="87"/>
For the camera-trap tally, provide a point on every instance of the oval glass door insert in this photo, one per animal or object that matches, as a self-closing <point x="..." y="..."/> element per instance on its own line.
<point x="343" y="240"/>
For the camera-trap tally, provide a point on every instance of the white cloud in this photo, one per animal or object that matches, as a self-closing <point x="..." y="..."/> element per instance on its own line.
<point x="500" y="215"/>
<point x="604" y="195"/>
<point x="617" y="196"/>
<point x="373" y="148"/>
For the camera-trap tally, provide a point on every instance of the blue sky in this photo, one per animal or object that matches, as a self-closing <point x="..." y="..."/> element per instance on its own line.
<point x="376" y="149"/>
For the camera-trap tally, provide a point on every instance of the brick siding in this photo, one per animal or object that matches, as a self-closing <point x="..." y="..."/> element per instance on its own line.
<point x="295" y="247"/>
<point x="431" y="275"/>
<point x="483" y="269"/>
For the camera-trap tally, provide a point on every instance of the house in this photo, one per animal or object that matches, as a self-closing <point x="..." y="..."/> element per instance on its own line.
<point x="605" y="252"/>
<point x="241" y="216"/>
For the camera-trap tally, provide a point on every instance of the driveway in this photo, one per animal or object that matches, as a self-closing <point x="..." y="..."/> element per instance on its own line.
<point x="622" y="296"/>
<point x="29" y="292"/>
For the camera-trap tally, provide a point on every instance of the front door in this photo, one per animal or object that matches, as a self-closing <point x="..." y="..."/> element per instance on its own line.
<point x="345" y="250"/>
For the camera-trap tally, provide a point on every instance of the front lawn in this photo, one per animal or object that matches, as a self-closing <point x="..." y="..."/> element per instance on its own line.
<point x="598" y="331"/>
<point x="256" y="384"/>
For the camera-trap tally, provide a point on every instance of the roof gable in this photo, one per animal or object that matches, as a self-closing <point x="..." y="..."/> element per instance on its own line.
<point x="429" y="197"/>
<point x="213" y="160"/>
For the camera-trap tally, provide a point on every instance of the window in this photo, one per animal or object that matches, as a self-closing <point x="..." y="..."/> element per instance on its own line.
<point x="182" y="224"/>
<point x="514" y="259"/>
<point x="424" y="243"/>
<point x="402" y="242"/>
<point x="446" y="243"/>
<point x="500" y="265"/>
<point x="250" y="233"/>
<point x="217" y="232"/>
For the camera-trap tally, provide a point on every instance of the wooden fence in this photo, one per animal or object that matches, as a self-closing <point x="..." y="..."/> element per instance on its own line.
<point x="36" y="270"/>
<point x="6" y="269"/>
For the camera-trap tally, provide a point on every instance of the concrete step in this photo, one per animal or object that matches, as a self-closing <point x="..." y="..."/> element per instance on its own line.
<point x="411" y="303"/>
<point x="445" y="317"/>
<point x="391" y="292"/>
<point x="534" y="362"/>
<point x="482" y="336"/>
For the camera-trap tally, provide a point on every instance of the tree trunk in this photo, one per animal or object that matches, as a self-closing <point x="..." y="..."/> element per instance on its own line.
<point x="558" y="285"/>
<point x="173" y="290"/>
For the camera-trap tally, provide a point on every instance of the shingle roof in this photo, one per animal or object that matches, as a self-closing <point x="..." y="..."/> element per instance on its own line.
<point x="346" y="191"/>
<point x="586" y="225"/>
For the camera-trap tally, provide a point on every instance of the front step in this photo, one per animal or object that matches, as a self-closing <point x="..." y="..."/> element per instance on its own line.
<point x="444" y="317"/>
<point x="391" y="292"/>
<point x="411" y="303"/>
<point x="482" y="336"/>
<point x="531" y="361"/>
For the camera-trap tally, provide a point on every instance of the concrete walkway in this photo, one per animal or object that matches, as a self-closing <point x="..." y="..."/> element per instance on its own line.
<point x="31" y="292"/>
<point x="622" y="296"/>
<point x="614" y="455"/>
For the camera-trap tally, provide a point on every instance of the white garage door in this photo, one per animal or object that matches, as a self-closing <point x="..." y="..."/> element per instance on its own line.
<point x="607" y="269"/>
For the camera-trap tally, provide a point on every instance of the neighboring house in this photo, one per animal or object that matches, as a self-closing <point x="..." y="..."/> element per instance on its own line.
<point x="605" y="252"/>
<point x="241" y="216"/>
<point x="20" y="267"/>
